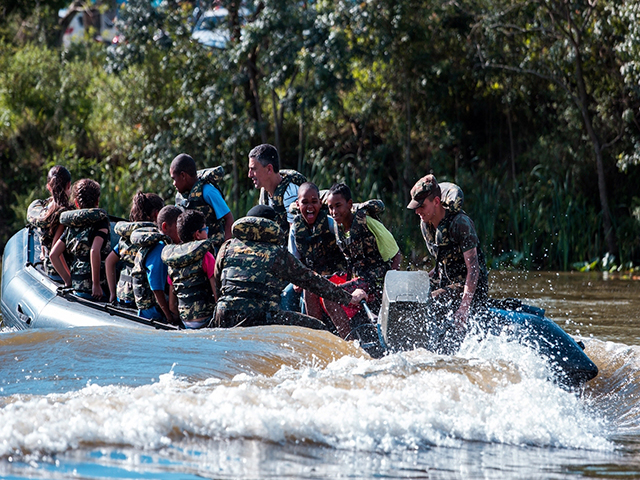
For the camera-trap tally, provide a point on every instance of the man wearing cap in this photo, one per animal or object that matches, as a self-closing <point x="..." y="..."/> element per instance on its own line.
<point x="251" y="270"/>
<point x="459" y="278"/>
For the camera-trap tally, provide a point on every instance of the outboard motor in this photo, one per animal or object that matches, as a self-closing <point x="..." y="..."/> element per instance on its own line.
<point x="405" y="320"/>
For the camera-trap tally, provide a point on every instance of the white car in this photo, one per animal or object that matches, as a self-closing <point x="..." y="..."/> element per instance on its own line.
<point x="212" y="29"/>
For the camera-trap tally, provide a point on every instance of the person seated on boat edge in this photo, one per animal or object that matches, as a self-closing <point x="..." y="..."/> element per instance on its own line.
<point x="191" y="269"/>
<point x="44" y="215"/>
<point x="201" y="192"/>
<point x="369" y="248"/>
<point x="143" y="213"/>
<point x="312" y="241"/>
<point x="278" y="189"/>
<point x="251" y="270"/>
<point x="87" y="238"/>
<point x="459" y="280"/>
<point x="149" y="272"/>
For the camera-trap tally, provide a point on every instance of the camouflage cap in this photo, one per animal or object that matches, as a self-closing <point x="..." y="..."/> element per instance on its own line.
<point x="425" y="187"/>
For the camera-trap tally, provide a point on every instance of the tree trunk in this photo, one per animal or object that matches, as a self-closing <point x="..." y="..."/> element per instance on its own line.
<point x="276" y="123"/>
<point x="583" y="103"/>
<point x="252" y="95"/>
<point x="301" y="148"/>
<point x="511" y="146"/>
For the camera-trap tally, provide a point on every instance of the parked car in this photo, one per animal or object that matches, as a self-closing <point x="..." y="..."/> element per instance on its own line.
<point x="212" y="29"/>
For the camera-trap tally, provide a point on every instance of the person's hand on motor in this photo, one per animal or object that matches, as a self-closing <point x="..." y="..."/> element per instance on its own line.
<point x="357" y="296"/>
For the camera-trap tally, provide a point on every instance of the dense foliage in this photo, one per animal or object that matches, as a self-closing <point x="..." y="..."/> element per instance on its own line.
<point x="531" y="106"/>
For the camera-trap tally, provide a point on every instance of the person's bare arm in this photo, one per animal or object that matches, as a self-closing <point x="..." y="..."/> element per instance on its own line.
<point x="395" y="261"/>
<point x="173" y="303"/>
<point x="161" y="300"/>
<point x="95" y="258"/>
<point x="110" y="271"/>
<point x="470" y="284"/>
<point x="228" y="222"/>
<point x="59" y="263"/>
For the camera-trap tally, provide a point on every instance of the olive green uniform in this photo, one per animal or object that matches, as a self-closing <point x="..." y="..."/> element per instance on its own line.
<point x="252" y="269"/>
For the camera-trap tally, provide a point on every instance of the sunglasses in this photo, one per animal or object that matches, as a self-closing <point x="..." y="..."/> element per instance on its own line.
<point x="205" y="230"/>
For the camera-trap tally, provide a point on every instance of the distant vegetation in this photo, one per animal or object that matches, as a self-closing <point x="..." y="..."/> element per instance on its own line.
<point x="532" y="107"/>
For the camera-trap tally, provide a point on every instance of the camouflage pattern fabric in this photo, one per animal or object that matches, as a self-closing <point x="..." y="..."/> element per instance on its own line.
<point x="36" y="213"/>
<point x="252" y="269"/>
<point x="127" y="253"/>
<point x="361" y="250"/>
<point x="195" y="201"/>
<point x="277" y="200"/>
<point x="451" y="196"/>
<point x="455" y="234"/>
<point x="145" y="240"/>
<point x="191" y="285"/>
<point x="373" y="208"/>
<point x="317" y="244"/>
<point x="81" y="225"/>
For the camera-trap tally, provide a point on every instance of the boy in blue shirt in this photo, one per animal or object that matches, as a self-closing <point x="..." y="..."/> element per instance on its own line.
<point x="203" y="196"/>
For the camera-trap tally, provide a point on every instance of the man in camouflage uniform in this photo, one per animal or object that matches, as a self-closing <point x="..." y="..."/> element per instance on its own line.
<point x="251" y="270"/>
<point x="459" y="278"/>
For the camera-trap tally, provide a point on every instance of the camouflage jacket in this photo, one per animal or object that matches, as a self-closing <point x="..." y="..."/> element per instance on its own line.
<point x="277" y="199"/>
<point x="196" y="201"/>
<point x="252" y="269"/>
<point x="81" y="228"/>
<point x="145" y="240"/>
<point x="191" y="285"/>
<point x="36" y="217"/>
<point x="317" y="244"/>
<point x="127" y="253"/>
<point x="455" y="234"/>
<point x="359" y="245"/>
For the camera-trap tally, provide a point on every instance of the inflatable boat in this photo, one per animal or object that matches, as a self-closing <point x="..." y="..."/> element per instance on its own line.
<point x="30" y="299"/>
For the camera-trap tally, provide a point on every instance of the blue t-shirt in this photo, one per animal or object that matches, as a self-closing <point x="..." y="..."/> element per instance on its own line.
<point x="214" y="198"/>
<point x="156" y="269"/>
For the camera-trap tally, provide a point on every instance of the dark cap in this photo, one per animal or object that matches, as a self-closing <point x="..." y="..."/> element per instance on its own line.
<point x="424" y="188"/>
<point x="262" y="211"/>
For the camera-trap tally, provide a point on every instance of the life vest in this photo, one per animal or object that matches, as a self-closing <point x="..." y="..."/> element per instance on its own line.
<point x="247" y="259"/>
<point x="144" y="240"/>
<point x="127" y="253"/>
<point x="360" y="247"/>
<point x="36" y="217"/>
<point x="81" y="224"/>
<point x="195" y="201"/>
<point x="317" y="244"/>
<point x="277" y="199"/>
<point x="191" y="285"/>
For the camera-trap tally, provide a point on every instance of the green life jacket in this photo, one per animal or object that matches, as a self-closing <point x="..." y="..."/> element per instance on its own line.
<point x="248" y="278"/>
<point x="45" y="229"/>
<point x="360" y="247"/>
<point x="144" y="240"/>
<point x="190" y="283"/>
<point x="317" y="244"/>
<point x="127" y="253"/>
<point x="195" y="201"/>
<point x="277" y="199"/>
<point x="81" y="224"/>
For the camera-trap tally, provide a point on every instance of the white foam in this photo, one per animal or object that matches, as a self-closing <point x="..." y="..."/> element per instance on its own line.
<point x="403" y="401"/>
